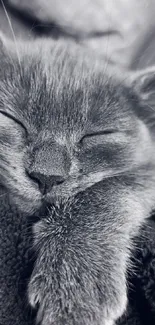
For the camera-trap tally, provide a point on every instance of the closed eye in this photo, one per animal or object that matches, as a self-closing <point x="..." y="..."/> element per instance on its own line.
<point x="14" y="119"/>
<point x="98" y="138"/>
<point x="108" y="131"/>
<point x="95" y="134"/>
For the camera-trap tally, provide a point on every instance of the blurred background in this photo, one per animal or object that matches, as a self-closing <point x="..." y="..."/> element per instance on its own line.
<point x="121" y="30"/>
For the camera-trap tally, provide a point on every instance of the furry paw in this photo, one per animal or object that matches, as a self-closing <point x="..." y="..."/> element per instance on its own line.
<point x="41" y="297"/>
<point x="70" y="285"/>
<point x="70" y="304"/>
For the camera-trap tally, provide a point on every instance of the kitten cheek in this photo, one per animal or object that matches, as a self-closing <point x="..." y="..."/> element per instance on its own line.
<point x="144" y="152"/>
<point x="27" y="206"/>
<point x="9" y="129"/>
<point x="22" y="193"/>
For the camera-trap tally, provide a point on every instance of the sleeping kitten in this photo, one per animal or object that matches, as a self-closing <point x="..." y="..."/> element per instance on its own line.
<point x="76" y="148"/>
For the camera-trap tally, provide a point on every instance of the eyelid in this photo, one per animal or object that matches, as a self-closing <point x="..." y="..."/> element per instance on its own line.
<point x="105" y="132"/>
<point x="14" y="119"/>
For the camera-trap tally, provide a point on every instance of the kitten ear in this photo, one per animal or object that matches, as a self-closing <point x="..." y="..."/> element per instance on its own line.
<point x="143" y="83"/>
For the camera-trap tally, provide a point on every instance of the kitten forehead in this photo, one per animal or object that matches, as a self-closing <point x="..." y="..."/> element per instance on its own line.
<point x="53" y="89"/>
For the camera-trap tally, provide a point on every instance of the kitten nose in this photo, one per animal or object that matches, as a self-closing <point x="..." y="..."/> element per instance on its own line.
<point x="46" y="182"/>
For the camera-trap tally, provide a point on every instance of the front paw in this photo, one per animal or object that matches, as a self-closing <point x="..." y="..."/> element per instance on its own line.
<point x="74" y="284"/>
<point x="68" y="304"/>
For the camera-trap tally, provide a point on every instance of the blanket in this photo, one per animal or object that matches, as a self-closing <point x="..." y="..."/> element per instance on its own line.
<point x="16" y="264"/>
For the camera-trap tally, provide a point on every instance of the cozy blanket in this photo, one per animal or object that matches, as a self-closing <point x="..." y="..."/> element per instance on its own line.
<point x="16" y="264"/>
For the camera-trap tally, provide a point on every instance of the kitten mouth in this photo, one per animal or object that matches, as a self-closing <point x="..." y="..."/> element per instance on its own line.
<point x="62" y="191"/>
<point x="68" y="189"/>
<point x="75" y="185"/>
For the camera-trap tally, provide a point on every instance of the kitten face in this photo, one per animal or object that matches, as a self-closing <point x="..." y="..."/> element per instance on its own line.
<point x="63" y="128"/>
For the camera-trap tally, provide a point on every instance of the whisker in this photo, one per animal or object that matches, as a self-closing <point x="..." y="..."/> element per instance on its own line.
<point x="12" y="31"/>
<point x="153" y="109"/>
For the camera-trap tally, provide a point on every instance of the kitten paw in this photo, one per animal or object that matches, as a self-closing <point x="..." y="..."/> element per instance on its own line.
<point x="67" y="289"/>
<point x="41" y="296"/>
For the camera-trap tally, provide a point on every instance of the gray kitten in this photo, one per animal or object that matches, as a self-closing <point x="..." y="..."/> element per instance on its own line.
<point x="77" y="149"/>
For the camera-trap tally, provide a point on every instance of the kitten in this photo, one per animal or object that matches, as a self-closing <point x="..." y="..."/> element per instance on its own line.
<point x="77" y="149"/>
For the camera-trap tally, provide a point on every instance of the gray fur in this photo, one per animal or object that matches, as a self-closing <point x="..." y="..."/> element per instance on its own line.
<point x="63" y="117"/>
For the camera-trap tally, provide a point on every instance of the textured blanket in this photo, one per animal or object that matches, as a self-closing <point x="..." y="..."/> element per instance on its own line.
<point x="16" y="263"/>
